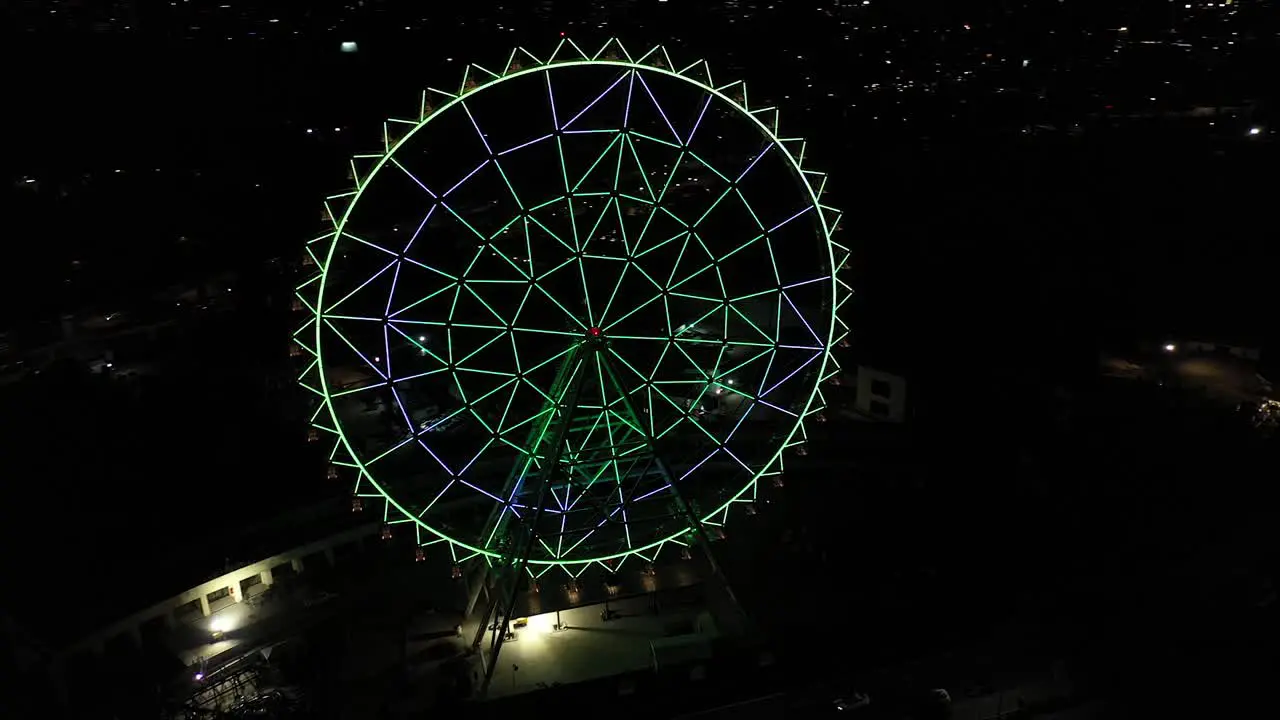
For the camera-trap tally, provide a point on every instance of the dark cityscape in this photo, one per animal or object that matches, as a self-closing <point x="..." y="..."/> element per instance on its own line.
<point x="381" y="359"/>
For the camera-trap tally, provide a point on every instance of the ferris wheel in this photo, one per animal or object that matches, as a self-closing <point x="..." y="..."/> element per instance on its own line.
<point x="575" y="311"/>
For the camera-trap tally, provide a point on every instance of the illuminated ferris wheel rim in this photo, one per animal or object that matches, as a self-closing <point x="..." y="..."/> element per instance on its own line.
<point x="568" y="55"/>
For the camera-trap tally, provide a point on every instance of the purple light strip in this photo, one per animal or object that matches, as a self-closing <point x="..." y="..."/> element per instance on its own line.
<point x="631" y="86"/>
<point x="775" y="407"/>
<point x="800" y="315"/>
<point x="468" y="177"/>
<point x="738" y="424"/>
<point x="395" y="278"/>
<point x="557" y="498"/>
<point x="525" y="145"/>
<point x="806" y="282"/>
<point x="793" y="217"/>
<point x="432" y="453"/>
<point x="698" y="122"/>
<point x="400" y="404"/>
<point x="691" y="470"/>
<point x="476" y="125"/>
<point x="375" y="246"/>
<point x="418" y="232"/>
<point x="593" y="102"/>
<point x="790" y="375"/>
<point x="767" y="147"/>
<point x="551" y="97"/>
<point x="661" y="112"/>
<point x="480" y="490"/>
<point x="414" y="178"/>
<point x="650" y="494"/>
<point x="515" y="489"/>
<point x="735" y="457"/>
<point x="800" y="347"/>
<point x="386" y="347"/>
<point x="373" y="277"/>
<point x="413" y="377"/>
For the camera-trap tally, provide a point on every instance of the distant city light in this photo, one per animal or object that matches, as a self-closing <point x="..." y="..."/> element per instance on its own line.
<point x="1255" y="131"/>
<point x="349" y="47"/>
<point x="1170" y="347"/>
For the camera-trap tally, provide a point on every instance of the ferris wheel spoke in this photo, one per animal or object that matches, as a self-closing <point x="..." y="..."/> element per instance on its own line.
<point x="557" y="238"/>
<point x="354" y="349"/>
<point x="418" y="230"/>
<point x="752" y="164"/>
<point x="622" y="276"/>
<point x="698" y="159"/>
<point x="644" y="175"/>
<point x="807" y="326"/>
<point x="615" y="142"/>
<point x="483" y="346"/>
<point x="765" y="337"/>
<point x="524" y="145"/>
<point x="572" y="317"/>
<point x="706" y="103"/>
<point x="363" y="388"/>
<point x="463" y="181"/>
<point x="627" y="364"/>
<point x="779" y="226"/>
<point x="824" y="278"/>
<point x="791" y="374"/>
<point x="595" y="227"/>
<point x="658" y="106"/>
<point x="599" y="97"/>
<point x="742" y="200"/>
<point x="469" y="287"/>
<point x="361" y="286"/>
<point x="633" y="311"/>
<point x="494" y="157"/>
<point x="740" y="248"/>
<point x="414" y="178"/>
<point x="753" y="359"/>
<point x="434" y="500"/>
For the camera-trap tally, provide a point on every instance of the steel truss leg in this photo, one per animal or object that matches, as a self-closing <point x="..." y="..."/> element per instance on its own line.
<point x="694" y="522"/>
<point x="502" y="608"/>
<point x="502" y="601"/>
